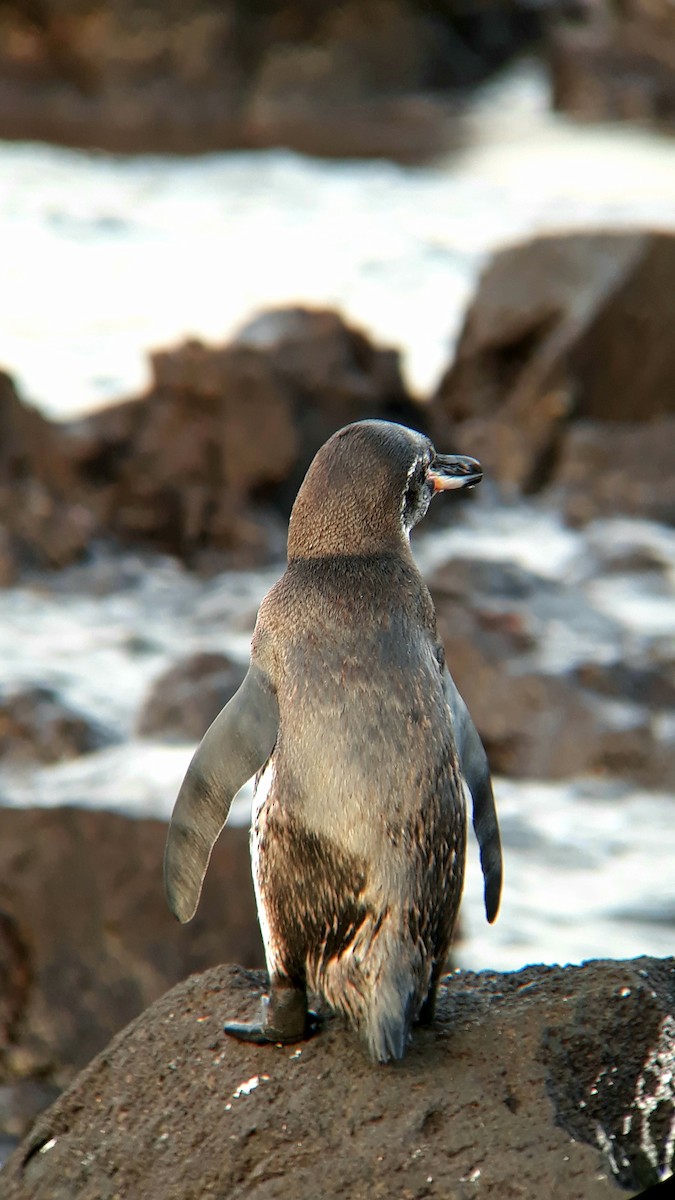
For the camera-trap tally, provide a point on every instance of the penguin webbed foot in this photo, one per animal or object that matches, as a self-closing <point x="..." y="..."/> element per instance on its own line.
<point x="285" y="1019"/>
<point x="267" y="1035"/>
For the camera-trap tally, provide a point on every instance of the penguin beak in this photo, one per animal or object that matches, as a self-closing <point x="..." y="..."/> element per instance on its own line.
<point x="449" y="471"/>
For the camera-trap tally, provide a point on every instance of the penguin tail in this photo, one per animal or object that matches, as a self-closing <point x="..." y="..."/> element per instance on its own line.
<point x="388" y="1017"/>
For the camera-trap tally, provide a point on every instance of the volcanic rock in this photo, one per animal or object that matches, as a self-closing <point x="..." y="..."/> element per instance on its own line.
<point x="203" y="464"/>
<point x="548" y="1081"/>
<point x="562" y="330"/>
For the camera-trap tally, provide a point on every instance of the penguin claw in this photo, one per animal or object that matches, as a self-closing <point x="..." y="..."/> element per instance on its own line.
<point x="249" y="1033"/>
<point x="265" y="1035"/>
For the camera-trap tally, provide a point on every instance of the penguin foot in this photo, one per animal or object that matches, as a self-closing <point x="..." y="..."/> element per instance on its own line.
<point x="265" y="1035"/>
<point x="284" y="1018"/>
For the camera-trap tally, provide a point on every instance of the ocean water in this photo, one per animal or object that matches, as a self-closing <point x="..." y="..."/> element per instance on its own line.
<point x="103" y="258"/>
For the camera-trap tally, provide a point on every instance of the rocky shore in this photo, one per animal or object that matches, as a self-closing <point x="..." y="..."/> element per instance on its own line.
<point x="563" y="385"/>
<point x="545" y="1081"/>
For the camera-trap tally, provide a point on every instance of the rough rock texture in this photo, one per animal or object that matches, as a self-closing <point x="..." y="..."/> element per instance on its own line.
<point x="565" y="329"/>
<point x="359" y="77"/>
<point x="37" y="725"/>
<point x="188" y="697"/>
<point x="546" y="711"/>
<point x="87" y="941"/>
<point x="616" y="62"/>
<point x="550" y="1081"/>
<point x="193" y="467"/>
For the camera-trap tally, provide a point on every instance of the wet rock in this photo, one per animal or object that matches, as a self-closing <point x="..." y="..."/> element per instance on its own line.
<point x="330" y="79"/>
<point x="610" y="1072"/>
<point x="564" y="330"/>
<point x="91" y="941"/>
<point x="553" y="1081"/>
<point x="616" y="62"/>
<point x="36" y="725"/>
<point x="188" y="697"/>
<point x="545" y="677"/>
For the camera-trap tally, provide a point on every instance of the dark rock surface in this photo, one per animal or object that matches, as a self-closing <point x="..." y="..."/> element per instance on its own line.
<point x="549" y="1081"/>
<point x="362" y="77"/>
<point x="563" y="330"/>
<point x="616" y="62"/>
<point x="87" y="941"/>
<point x="188" y="697"/>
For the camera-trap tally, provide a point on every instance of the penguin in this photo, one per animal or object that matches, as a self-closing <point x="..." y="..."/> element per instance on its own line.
<point x="362" y="748"/>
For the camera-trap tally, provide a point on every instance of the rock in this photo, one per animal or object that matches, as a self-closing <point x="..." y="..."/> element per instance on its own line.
<point x="544" y="676"/>
<point x="619" y="467"/>
<point x="616" y="62"/>
<point x="188" y="697"/>
<point x="14" y="978"/>
<point x="42" y="519"/>
<point x="547" y="1081"/>
<point x="203" y="464"/>
<point x="37" y="725"/>
<point x="563" y="329"/>
<point x="207" y="75"/>
<point x="87" y="940"/>
<point x="333" y="374"/>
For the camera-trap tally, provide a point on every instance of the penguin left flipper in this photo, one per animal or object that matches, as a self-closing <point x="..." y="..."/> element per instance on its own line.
<point x="476" y="771"/>
<point x="234" y="747"/>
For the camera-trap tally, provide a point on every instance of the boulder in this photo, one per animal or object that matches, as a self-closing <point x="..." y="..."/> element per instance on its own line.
<point x="564" y="329"/>
<point x="330" y="79"/>
<point x="548" y="1081"/>
<point x="87" y="940"/>
<point x="36" y="725"/>
<point x="616" y="62"/>
<point x="184" y="701"/>
<point x="203" y="464"/>
<point x="41" y="515"/>
<point x="623" y="466"/>
<point x="333" y="374"/>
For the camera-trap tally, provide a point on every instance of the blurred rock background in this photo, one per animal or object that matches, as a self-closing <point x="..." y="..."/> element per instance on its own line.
<point x="137" y="538"/>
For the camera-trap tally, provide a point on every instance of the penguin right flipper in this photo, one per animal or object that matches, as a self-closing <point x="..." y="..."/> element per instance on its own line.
<point x="234" y="747"/>
<point x="476" y="771"/>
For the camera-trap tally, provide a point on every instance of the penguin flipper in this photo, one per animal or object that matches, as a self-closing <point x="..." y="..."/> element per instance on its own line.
<point x="234" y="747"/>
<point x="476" y="771"/>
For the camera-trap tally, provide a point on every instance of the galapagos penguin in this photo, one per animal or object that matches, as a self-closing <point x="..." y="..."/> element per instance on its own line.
<point x="362" y="747"/>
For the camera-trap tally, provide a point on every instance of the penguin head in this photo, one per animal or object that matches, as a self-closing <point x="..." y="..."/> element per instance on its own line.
<point x="366" y="488"/>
